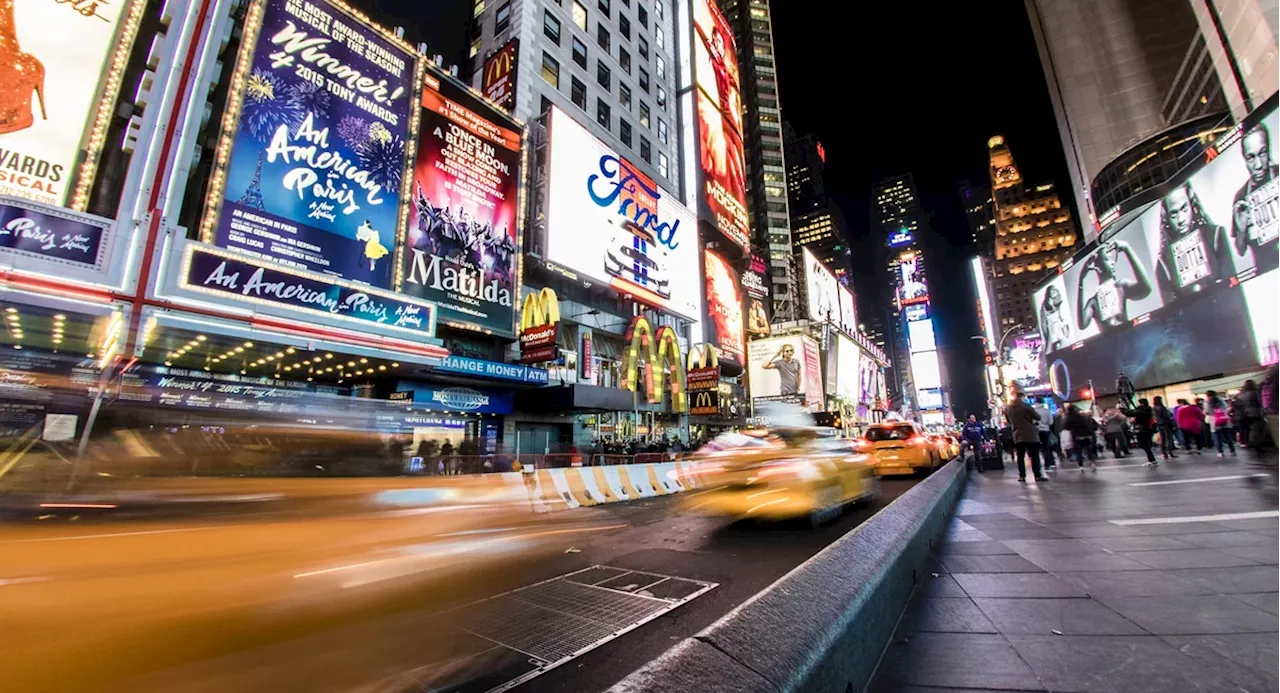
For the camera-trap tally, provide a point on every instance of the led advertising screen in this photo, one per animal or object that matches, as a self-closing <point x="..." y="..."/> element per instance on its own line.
<point x="921" y="337"/>
<point x="57" y="55"/>
<point x="821" y="286"/>
<point x="462" y="246"/>
<point x="1259" y="297"/>
<point x="870" y="380"/>
<point x="1023" y="360"/>
<point x="756" y="290"/>
<point x="847" y="373"/>
<point x="609" y="222"/>
<point x="930" y="398"/>
<point x="719" y="106"/>
<point x="925" y="369"/>
<point x="848" y="309"/>
<point x="785" y="369"/>
<point x="1191" y="339"/>
<point x="724" y="308"/>
<point x="1211" y="229"/>
<point x="919" y="311"/>
<point x="319" y="134"/>
<point x="911" y="284"/>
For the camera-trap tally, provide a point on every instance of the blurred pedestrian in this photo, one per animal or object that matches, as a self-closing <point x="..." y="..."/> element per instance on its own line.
<point x="1113" y="429"/>
<point x="1047" y="442"/>
<point x="1190" y="420"/>
<point x="1144" y="424"/>
<point x="1023" y="421"/>
<point x="1124" y="387"/>
<point x="1165" y="426"/>
<point x="1220" y="422"/>
<point x="1206" y="440"/>
<point x="1077" y="426"/>
<point x="1250" y="402"/>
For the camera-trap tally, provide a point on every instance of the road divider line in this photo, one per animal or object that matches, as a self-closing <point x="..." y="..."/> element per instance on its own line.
<point x="1198" y="518"/>
<point x="114" y="535"/>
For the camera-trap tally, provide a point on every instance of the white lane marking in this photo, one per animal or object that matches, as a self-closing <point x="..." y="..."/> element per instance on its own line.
<point x="110" y="536"/>
<point x="1196" y="481"/>
<point x="350" y="566"/>
<point x="19" y="581"/>
<point x="1199" y="518"/>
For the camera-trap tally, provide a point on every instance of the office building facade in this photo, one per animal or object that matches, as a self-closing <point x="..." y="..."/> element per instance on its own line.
<point x="764" y="152"/>
<point x="1034" y="234"/>
<point x="816" y="222"/>
<point x="975" y="198"/>
<point x="1116" y="76"/>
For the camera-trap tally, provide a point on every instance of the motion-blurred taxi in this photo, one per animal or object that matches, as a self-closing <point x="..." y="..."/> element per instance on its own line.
<point x="783" y="473"/>
<point x="948" y="446"/>
<point x="900" y="447"/>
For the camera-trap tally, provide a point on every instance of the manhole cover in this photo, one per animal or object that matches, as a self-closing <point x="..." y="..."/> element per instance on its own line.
<point x="537" y="628"/>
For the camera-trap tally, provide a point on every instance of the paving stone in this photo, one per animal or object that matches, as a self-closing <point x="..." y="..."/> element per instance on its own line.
<point x="1062" y="563"/>
<point x="989" y="564"/>
<point x="942" y="586"/>
<point x="1044" y="616"/>
<point x="1215" y="540"/>
<point x="955" y="660"/>
<point x="1191" y="615"/>
<point x="1024" y="546"/>
<point x="1179" y="528"/>
<point x="1255" y="650"/>
<point x="945" y="616"/>
<point x="1145" y="542"/>
<point x="1111" y="663"/>
<point x="976" y="548"/>
<point x="1145" y="583"/>
<point x="1267" y="601"/>
<point x="1268" y="554"/>
<point x="1016" y="585"/>
<point x="1260" y="578"/>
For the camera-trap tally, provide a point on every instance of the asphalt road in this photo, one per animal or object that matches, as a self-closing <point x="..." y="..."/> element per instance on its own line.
<point x="340" y="603"/>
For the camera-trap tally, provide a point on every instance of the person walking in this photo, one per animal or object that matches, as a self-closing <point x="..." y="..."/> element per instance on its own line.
<point x="1077" y="426"/>
<point x="1220" y="423"/>
<point x="1206" y="440"/>
<point x="972" y="434"/>
<point x="1190" y="420"/>
<point x="1250" y="402"/>
<point x="1144" y="425"/>
<point x="1023" y="421"/>
<point x="1047" y="442"/>
<point x="1165" y="426"/>
<point x="1113" y="431"/>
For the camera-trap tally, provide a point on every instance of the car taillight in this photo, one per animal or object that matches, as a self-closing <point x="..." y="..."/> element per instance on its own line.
<point x="920" y="441"/>
<point x="860" y="444"/>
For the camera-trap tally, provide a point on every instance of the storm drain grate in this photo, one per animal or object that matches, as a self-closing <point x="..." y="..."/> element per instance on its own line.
<point x="562" y="618"/>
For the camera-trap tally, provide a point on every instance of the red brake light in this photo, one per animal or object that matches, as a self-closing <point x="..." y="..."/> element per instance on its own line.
<point x="920" y="441"/>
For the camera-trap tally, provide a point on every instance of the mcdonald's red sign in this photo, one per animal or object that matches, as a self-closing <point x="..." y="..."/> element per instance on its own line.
<point x="499" y="81"/>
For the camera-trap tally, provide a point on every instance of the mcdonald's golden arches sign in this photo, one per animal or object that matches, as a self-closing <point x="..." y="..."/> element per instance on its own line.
<point x="539" y="325"/>
<point x="500" y="69"/>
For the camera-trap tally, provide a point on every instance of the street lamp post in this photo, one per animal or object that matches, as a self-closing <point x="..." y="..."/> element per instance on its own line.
<point x="999" y="357"/>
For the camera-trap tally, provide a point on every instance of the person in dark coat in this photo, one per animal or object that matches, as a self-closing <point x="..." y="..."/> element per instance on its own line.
<point x="1024" y="422"/>
<point x="1144" y="427"/>
<point x="1078" y="425"/>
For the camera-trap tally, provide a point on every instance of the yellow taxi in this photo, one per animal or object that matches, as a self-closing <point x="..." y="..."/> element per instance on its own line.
<point x="900" y="447"/>
<point x="781" y="474"/>
<point x="948" y="446"/>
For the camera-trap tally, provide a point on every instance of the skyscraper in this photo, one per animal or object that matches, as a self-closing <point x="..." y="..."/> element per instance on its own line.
<point x="1033" y="235"/>
<point x="763" y="148"/>
<point x="1122" y="74"/>
<point x="976" y="200"/>
<point x="816" y="222"/>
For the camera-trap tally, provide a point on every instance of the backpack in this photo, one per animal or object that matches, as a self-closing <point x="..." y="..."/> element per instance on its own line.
<point x="1220" y="417"/>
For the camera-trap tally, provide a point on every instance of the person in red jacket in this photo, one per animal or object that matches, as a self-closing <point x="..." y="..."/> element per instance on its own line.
<point x="1190" y="420"/>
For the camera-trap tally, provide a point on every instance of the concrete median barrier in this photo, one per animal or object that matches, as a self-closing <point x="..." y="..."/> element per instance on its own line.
<point x="824" y="625"/>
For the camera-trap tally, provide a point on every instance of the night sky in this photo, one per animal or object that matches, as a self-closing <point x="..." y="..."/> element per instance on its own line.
<point x="917" y="86"/>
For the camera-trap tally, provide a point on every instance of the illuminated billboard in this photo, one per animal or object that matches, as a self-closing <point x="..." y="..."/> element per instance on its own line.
<point x="1259" y="297"/>
<point x="61" y="80"/>
<point x="756" y="291"/>
<point x="911" y="284"/>
<point x="462" y="246"/>
<point x="919" y="311"/>
<point x="785" y="369"/>
<point x="921" y="337"/>
<point x="925" y="369"/>
<point x="987" y="314"/>
<point x="611" y="223"/>
<point x="930" y="398"/>
<point x="724" y="308"/>
<point x="718" y="100"/>
<point x="498" y="83"/>
<point x="311" y="171"/>
<point x="845" y="380"/>
<point x="848" y="309"/>
<point x="901" y="237"/>
<point x="821" y="287"/>
<point x="1023" y="360"/>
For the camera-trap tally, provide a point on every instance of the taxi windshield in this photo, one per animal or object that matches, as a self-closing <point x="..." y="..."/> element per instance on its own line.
<point x="878" y="433"/>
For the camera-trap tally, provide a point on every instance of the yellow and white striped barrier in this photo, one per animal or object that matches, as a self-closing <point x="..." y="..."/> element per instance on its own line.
<point x="574" y="487"/>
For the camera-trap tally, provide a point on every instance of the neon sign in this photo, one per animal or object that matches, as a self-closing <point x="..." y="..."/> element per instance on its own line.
<point x="640" y="202"/>
<point x="661" y="354"/>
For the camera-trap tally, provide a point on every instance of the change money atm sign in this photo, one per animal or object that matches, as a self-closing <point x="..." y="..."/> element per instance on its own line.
<point x="500" y="71"/>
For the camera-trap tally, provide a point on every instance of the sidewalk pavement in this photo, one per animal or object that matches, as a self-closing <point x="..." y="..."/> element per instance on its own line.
<point x="1125" y="579"/>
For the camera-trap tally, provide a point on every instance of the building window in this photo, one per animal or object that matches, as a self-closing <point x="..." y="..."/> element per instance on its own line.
<point x="578" y="93"/>
<point x="642" y="15"/>
<point x="661" y="97"/>
<point x="624" y="96"/>
<point x="644" y="79"/>
<point x="602" y="37"/>
<point x="502" y="18"/>
<point x="603" y="77"/>
<point x="579" y="15"/>
<point x="661" y="67"/>
<point x="657" y="9"/>
<point x="646" y="150"/>
<point x="551" y="27"/>
<point x="662" y="131"/>
<point x="550" y="70"/>
<point x="579" y="53"/>
<point x="663" y="166"/>
<point x="544" y="104"/>
<point x="644" y="114"/>
<point x="475" y="49"/>
<point x="602" y="113"/>
<point x="624" y="132"/>
<point x="624" y="60"/>
<point x="643" y="46"/>
<point x="658" y="37"/>
<point x="604" y="6"/>
<point x="624" y="27"/>
<point x="478" y="9"/>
